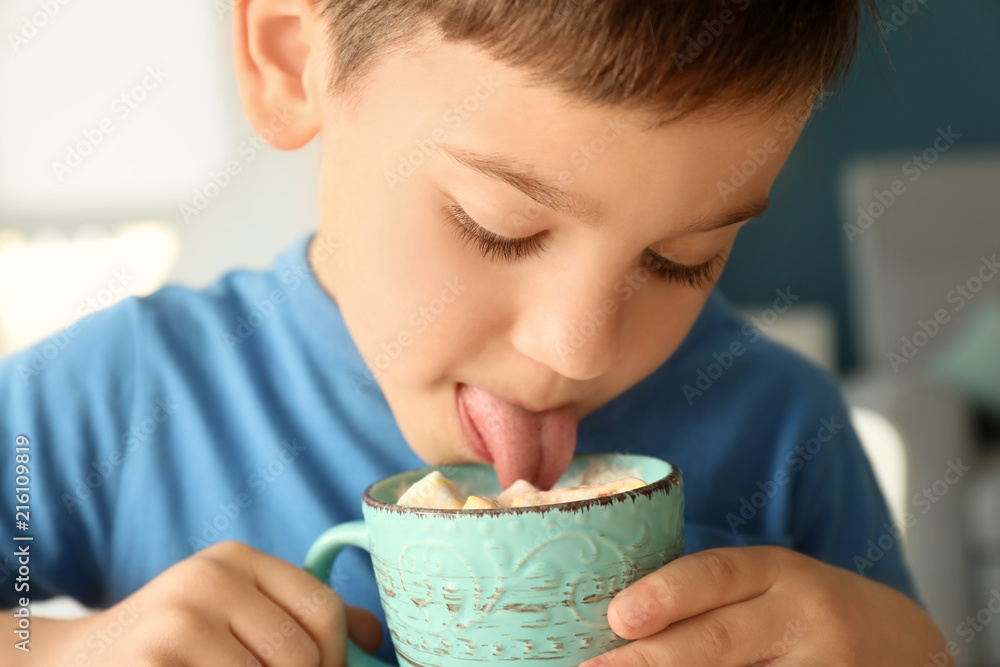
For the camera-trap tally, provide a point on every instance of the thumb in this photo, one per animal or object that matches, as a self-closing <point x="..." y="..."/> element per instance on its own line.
<point x="363" y="627"/>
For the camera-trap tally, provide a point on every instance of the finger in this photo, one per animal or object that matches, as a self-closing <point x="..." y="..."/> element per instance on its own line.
<point x="692" y="585"/>
<point x="738" y="635"/>
<point x="363" y="627"/>
<point x="225" y="651"/>
<point x="315" y="606"/>
<point x="272" y="635"/>
<point x="196" y="644"/>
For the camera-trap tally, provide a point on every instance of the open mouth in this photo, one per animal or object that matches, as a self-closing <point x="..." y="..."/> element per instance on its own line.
<point x="520" y="443"/>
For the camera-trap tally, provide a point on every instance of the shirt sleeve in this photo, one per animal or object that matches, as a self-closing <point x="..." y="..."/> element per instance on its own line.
<point x="838" y="513"/>
<point x="71" y="396"/>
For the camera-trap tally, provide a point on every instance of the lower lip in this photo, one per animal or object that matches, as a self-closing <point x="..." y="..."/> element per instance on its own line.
<point x="473" y="440"/>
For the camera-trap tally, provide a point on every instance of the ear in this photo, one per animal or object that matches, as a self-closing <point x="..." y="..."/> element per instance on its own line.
<point x="278" y="54"/>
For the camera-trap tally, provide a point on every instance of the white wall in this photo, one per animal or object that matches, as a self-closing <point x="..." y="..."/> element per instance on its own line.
<point x="62" y="76"/>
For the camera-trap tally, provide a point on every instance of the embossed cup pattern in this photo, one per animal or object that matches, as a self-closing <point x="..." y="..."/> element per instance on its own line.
<point x="526" y="584"/>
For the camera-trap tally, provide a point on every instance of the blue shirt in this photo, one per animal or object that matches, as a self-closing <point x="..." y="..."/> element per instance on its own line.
<point x="245" y="411"/>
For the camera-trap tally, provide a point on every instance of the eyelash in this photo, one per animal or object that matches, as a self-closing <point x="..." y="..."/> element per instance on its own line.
<point x="682" y="274"/>
<point x="508" y="250"/>
<point x="497" y="247"/>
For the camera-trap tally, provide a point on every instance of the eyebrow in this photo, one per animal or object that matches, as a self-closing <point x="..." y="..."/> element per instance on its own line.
<point x="708" y="223"/>
<point x="550" y="195"/>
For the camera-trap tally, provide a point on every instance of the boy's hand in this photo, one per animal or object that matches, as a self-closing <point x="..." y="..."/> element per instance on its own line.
<point x="227" y="606"/>
<point x="753" y="605"/>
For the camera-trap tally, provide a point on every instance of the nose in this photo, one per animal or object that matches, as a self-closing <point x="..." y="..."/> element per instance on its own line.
<point x="573" y="327"/>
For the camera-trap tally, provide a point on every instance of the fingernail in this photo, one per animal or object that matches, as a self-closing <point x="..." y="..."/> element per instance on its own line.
<point x="631" y="612"/>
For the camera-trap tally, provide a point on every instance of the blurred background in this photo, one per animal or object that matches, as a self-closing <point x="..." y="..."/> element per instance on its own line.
<point x="126" y="162"/>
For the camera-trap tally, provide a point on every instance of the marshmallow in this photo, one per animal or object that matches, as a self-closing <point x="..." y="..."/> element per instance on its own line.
<point x="477" y="503"/>
<point x="576" y="493"/>
<point x="433" y="492"/>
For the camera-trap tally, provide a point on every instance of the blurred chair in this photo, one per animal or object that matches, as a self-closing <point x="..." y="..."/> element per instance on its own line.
<point x="50" y="280"/>
<point x="108" y="117"/>
<point x="917" y="228"/>
<point x="810" y="331"/>
<point x="887" y="451"/>
<point x="62" y="608"/>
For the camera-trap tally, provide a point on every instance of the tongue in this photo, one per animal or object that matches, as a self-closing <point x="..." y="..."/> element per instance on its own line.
<point x="536" y="446"/>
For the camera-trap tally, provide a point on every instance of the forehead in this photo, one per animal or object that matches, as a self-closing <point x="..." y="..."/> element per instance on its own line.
<point x="460" y="72"/>
<point x="454" y="95"/>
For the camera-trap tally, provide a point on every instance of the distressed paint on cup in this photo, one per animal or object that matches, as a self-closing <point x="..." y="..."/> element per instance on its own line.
<point x="511" y="584"/>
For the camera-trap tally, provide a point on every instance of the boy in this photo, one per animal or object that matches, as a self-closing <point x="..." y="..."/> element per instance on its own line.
<point x="524" y="209"/>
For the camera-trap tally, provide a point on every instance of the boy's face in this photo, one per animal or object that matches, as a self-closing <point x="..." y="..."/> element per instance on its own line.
<point x="563" y="323"/>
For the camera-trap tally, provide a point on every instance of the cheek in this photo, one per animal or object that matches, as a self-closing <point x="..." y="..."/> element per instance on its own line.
<point x="420" y="291"/>
<point x="657" y="319"/>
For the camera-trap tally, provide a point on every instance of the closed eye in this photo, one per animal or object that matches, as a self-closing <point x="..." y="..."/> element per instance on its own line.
<point x="489" y="244"/>
<point x="694" y="276"/>
<point x="509" y="250"/>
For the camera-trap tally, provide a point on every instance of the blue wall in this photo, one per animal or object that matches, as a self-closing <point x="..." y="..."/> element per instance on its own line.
<point x="942" y="68"/>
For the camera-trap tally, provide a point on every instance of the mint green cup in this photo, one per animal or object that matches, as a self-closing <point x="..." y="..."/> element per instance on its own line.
<point x="523" y="584"/>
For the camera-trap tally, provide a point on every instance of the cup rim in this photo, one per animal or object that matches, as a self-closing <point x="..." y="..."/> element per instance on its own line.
<point x="666" y="483"/>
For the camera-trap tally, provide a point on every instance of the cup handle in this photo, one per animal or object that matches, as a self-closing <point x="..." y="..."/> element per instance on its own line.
<point x="319" y="562"/>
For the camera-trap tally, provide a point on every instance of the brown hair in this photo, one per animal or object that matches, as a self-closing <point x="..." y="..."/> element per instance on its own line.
<point x="668" y="57"/>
